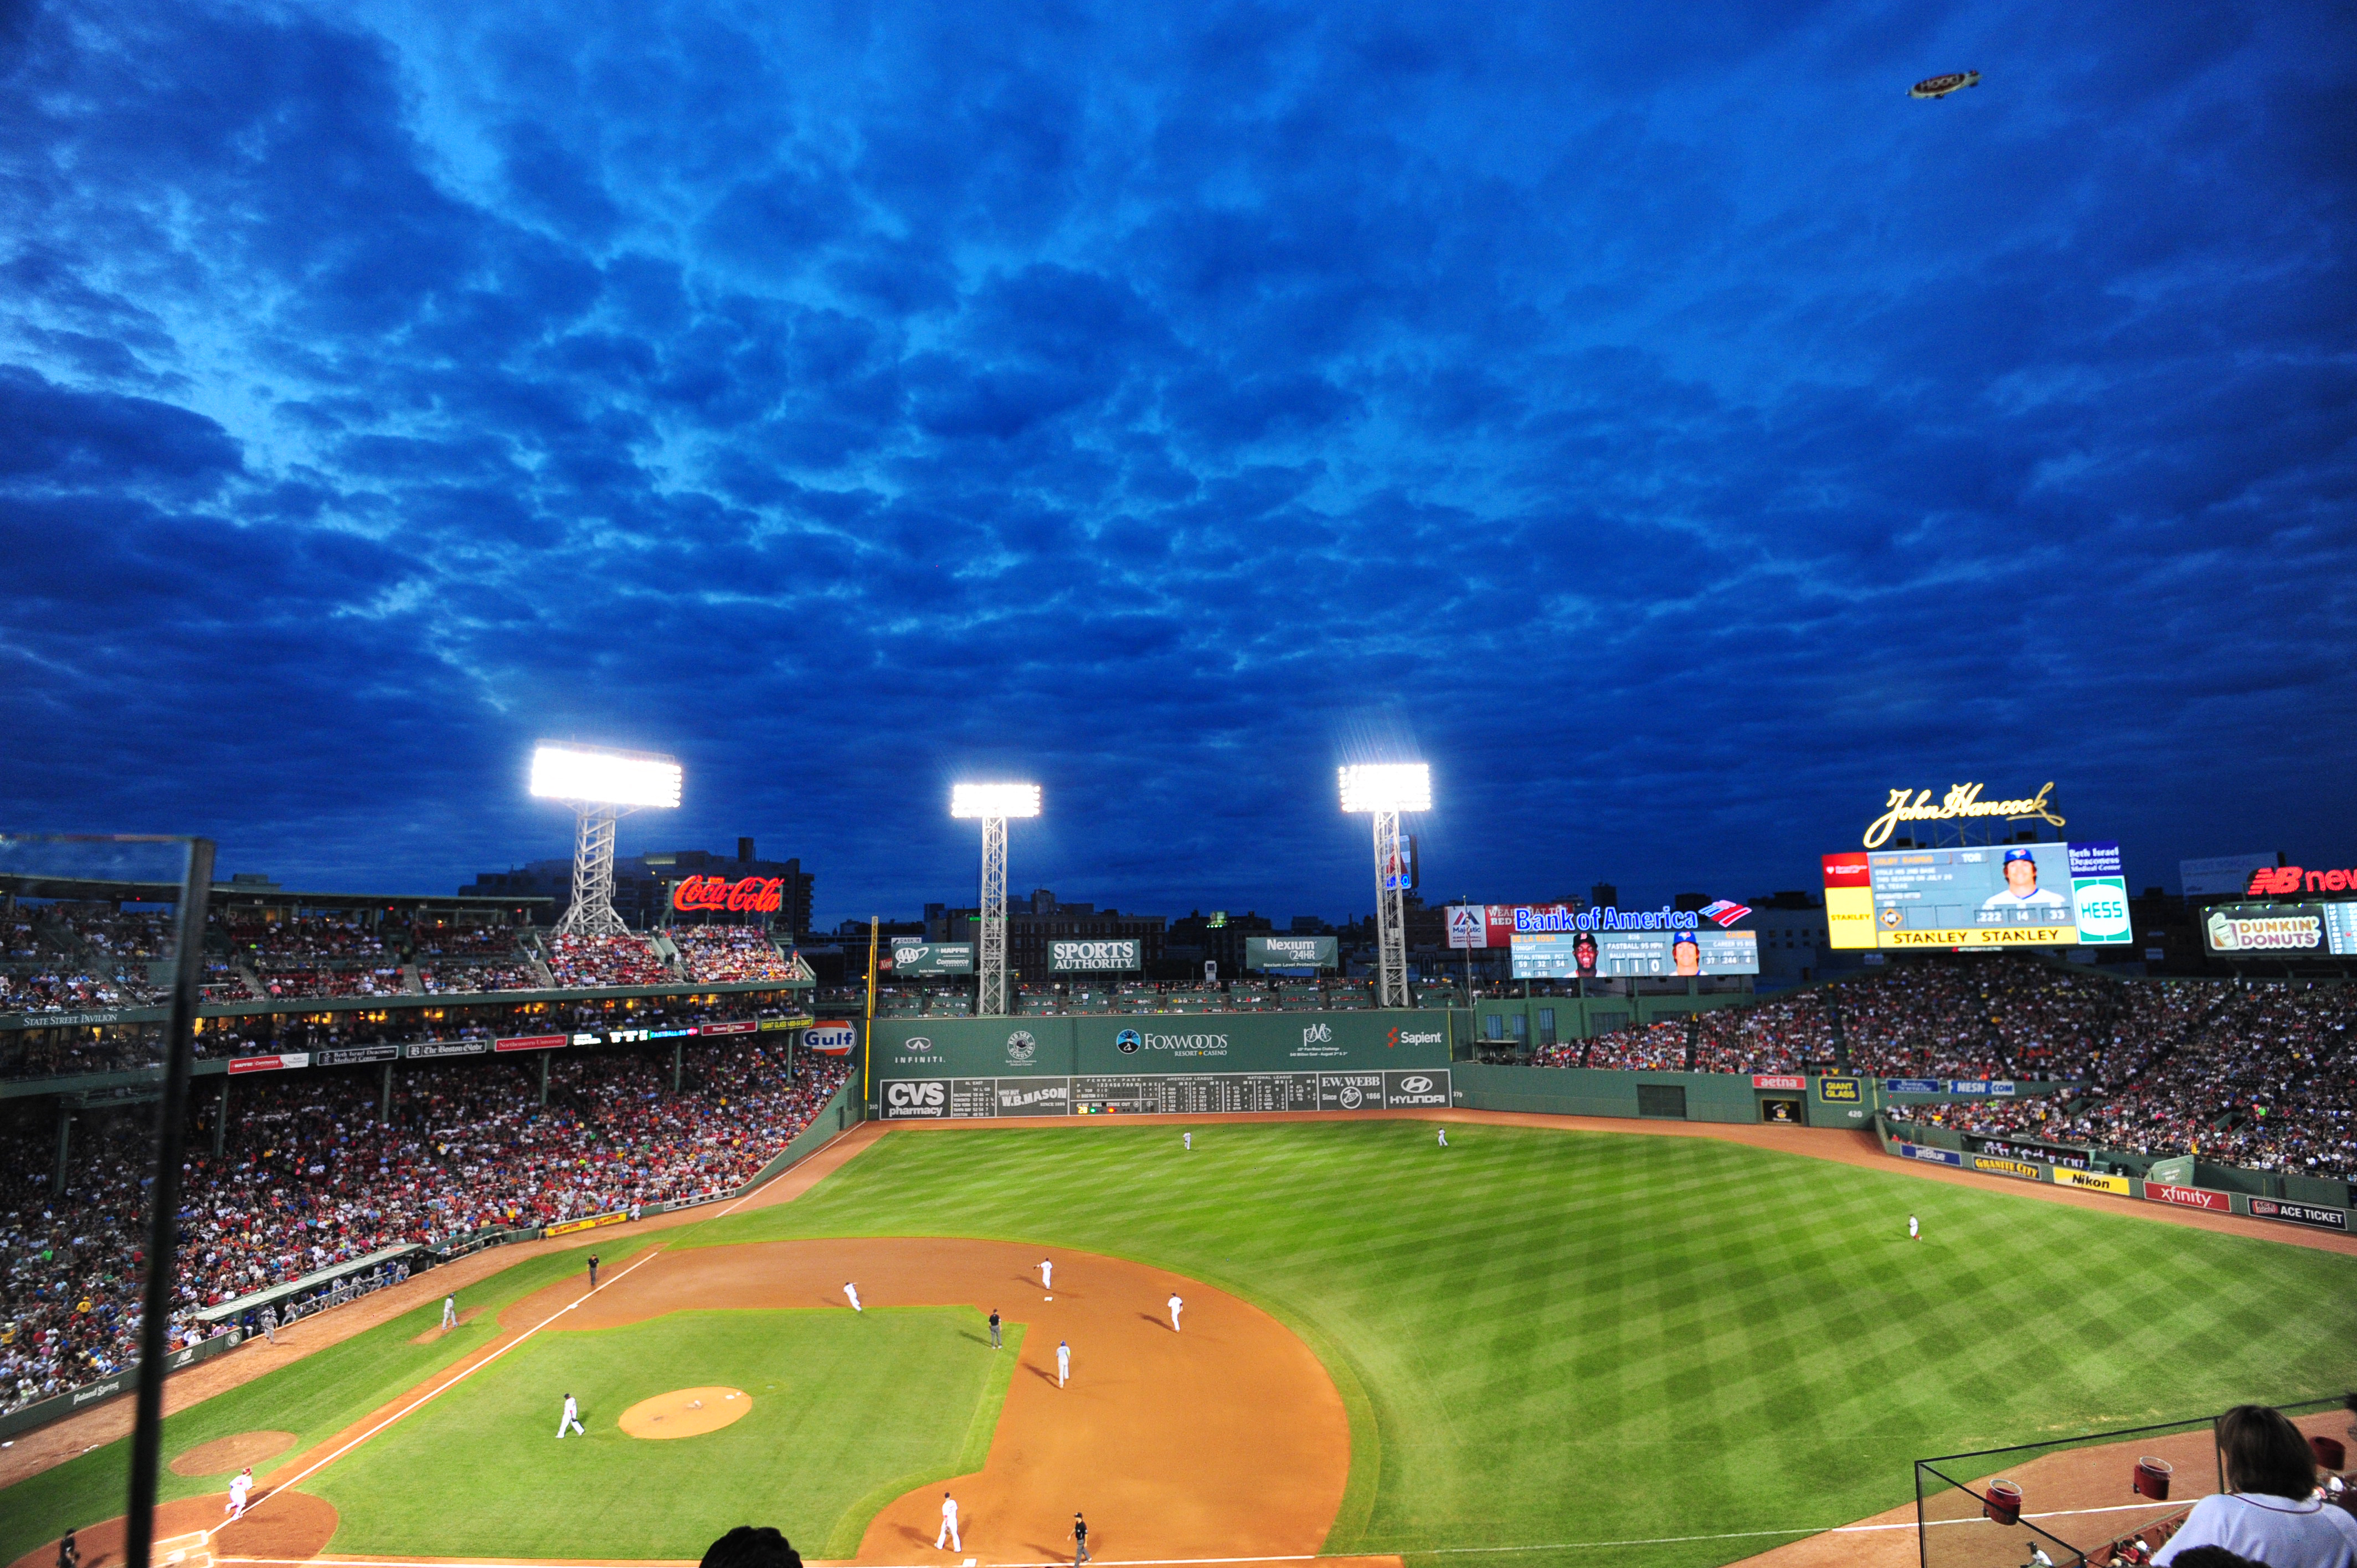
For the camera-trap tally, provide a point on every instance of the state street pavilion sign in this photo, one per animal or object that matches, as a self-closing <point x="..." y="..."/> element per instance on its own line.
<point x="1094" y="955"/>
<point x="1962" y="802"/>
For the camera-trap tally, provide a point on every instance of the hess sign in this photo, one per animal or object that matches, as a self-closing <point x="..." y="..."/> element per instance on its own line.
<point x="753" y="894"/>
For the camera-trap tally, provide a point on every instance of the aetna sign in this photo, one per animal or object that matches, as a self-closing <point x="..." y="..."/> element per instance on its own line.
<point x="2274" y="881"/>
<point x="752" y="894"/>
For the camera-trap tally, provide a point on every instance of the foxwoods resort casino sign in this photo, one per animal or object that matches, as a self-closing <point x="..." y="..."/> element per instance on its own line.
<point x="1962" y="802"/>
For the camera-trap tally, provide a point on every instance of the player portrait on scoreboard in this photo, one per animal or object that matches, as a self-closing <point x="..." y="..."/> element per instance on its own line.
<point x="1583" y="953"/>
<point x="1685" y="951"/>
<point x="2022" y="893"/>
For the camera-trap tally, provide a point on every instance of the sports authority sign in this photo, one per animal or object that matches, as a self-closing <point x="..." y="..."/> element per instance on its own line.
<point x="1094" y="956"/>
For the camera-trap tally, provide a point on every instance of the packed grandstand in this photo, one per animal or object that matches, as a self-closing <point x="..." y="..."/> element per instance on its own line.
<point x="311" y="1175"/>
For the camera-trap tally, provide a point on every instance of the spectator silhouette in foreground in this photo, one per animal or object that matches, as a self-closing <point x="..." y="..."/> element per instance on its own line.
<point x="752" y="1546"/>
<point x="2270" y="1511"/>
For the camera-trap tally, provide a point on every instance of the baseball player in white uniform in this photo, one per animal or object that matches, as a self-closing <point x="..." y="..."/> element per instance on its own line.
<point x="449" y="1312"/>
<point x="948" y="1525"/>
<point x="1047" y="1273"/>
<point x="1175" y="1305"/>
<point x="239" y="1485"/>
<point x="572" y="1418"/>
<point x="1444" y="1136"/>
<point x="1914" y="1229"/>
<point x="1063" y="1363"/>
<point x="1187" y="1139"/>
<point x="851" y="1294"/>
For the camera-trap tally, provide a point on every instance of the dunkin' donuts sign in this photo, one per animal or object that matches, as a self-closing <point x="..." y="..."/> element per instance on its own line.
<point x="748" y="896"/>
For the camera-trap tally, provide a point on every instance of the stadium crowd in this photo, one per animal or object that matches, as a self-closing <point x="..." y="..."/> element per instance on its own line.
<point x="310" y="1178"/>
<point x="723" y="954"/>
<point x="576" y="962"/>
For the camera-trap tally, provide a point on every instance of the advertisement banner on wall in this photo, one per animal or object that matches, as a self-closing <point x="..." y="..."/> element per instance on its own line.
<point x="1925" y="1152"/>
<point x="1094" y="955"/>
<point x="2291" y="931"/>
<point x="931" y="958"/>
<point x="1841" y="1090"/>
<point x="2221" y="875"/>
<point x="2188" y="1197"/>
<point x="2314" y="1215"/>
<point x="2112" y="1184"/>
<point x="1996" y="1166"/>
<point x="1292" y="952"/>
<point x="1163" y="1094"/>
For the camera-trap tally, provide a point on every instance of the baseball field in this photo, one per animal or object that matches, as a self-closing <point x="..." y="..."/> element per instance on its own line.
<point x="1538" y="1346"/>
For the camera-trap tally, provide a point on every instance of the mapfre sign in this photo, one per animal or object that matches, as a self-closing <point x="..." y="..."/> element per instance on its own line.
<point x="748" y="896"/>
<point x="2274" y="881"/>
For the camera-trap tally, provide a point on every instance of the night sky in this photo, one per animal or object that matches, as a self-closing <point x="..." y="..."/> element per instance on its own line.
<point x="1649" y="415"/>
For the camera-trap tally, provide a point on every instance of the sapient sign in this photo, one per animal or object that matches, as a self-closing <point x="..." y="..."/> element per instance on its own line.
<point x="1962" y="802"/>
<point x="1095" y="956"/>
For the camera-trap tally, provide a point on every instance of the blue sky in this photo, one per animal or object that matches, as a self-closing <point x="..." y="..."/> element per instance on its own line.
<point x="1650" y="416"/>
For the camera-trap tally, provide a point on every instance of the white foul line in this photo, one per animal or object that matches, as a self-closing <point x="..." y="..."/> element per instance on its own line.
<point x="652" y="1250"/>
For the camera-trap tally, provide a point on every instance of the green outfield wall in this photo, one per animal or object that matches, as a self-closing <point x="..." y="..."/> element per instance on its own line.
<point x="1120" y="1043"/>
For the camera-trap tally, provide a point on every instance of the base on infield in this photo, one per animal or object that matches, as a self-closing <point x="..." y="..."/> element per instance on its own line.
<point x="686" y="1412"/>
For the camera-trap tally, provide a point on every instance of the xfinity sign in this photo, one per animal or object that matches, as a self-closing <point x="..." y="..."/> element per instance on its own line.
<point x="1093" y="957"/>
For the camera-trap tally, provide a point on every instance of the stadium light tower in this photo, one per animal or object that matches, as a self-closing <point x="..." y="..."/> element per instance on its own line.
<point x="994" y="803"/>
<point x="1385" y="790"/>
<point x="602" y="786"/>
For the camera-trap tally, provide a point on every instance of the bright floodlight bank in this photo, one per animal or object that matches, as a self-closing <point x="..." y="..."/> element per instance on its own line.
<point x="987" y="801"/>
<point x="993" y="803"/>
<point x="602" y="785"/>
<point x="1385" y="790"/>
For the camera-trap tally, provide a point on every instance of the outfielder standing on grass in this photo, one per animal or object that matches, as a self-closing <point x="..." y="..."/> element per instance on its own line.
<point x="572" y="1418"/>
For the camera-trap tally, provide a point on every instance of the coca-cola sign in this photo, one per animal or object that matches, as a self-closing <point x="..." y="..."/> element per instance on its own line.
<point x="751" y="894"/>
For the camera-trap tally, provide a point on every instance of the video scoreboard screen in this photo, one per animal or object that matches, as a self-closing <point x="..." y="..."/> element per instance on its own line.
<point x="1566" y="955"/>
<point x="2036" y="895"/>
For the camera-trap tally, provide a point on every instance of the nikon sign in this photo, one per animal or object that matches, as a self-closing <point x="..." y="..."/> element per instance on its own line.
<point x="1291" y="952"/>
<point x="1109" y="954"/>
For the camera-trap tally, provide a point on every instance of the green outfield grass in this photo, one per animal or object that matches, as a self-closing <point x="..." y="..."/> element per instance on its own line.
<point x="848" y="1413"/>
<point x="314" y="1398"/>
<point x="1555" y="1338"/>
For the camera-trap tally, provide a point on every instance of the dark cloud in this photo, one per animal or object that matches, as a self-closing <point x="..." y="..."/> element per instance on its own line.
<point x="1657" y="420"/>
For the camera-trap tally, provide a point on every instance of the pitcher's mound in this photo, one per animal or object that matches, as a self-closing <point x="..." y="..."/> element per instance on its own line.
<point x="686" y="1412"/>
<point x="223" y="1454"/>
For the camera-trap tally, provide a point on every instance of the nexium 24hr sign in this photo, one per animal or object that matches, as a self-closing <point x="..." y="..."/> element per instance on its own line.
<point x="1094" y="956"/>
<point x="1963" y="802"/>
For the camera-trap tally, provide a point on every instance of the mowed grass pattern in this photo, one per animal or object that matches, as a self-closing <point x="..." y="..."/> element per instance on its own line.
<point x="314" y="1398"/>
<point x="848" y="1413"/>
<point x="1552" y="1337"/>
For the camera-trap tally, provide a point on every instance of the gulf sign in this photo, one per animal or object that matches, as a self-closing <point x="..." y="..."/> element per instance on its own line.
<point x="750" y="895"/>
<point x="831" y="1037"/>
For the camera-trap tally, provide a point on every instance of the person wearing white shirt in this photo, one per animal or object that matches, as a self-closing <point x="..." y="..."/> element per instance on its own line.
<point x="2270" y="1513"/>
<point x="949" y="1531"/>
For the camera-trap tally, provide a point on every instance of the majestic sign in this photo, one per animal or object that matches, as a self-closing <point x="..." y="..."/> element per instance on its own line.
<point x="2042" y="895"/>
<point x="1961" y="802"/>
<point x="1292" y="952"/>
<point x="1094" y="955"/>
<point x="751" y="894"/>
<point x="2274" y="881"/>
<point x="932" y="958"/>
